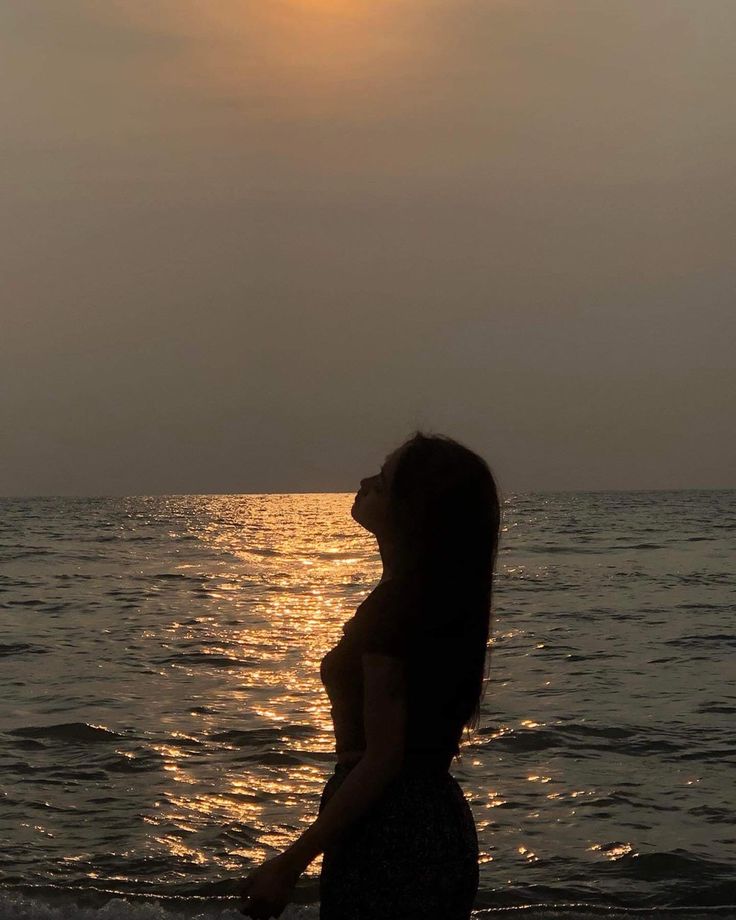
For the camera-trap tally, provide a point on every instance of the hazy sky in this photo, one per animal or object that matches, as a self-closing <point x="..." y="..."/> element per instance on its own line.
<point x="250" y="245"/>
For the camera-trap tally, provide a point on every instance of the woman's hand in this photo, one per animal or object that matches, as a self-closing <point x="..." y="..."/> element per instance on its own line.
<point x="269" y="888"/>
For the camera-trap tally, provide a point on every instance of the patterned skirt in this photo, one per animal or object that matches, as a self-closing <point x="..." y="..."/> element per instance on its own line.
<point x="414" y="856"/>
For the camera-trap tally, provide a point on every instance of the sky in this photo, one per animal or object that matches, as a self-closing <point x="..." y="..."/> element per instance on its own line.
<point x="252" y="246"/>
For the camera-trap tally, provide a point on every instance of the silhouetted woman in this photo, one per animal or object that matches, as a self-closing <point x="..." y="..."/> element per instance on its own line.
<point x="408" y="674"/>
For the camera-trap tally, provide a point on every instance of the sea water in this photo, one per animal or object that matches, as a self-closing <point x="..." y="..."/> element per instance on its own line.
<point x="163" y="727"/>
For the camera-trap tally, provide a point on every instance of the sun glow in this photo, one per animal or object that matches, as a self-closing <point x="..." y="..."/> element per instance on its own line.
<point x="307" y="57"/>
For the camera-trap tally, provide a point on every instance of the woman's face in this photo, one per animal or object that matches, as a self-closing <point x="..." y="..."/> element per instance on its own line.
<point x="371" y="505"/>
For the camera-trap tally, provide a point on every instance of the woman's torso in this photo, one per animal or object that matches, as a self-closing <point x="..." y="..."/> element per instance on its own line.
<point x="434" y="670"/>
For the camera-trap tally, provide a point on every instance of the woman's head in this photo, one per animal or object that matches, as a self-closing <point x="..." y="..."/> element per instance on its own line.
<point x="372" y="503"/>
<point x="437" y="503"/>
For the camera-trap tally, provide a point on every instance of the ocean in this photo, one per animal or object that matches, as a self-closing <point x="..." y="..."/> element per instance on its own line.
<point x="163" y="727"/>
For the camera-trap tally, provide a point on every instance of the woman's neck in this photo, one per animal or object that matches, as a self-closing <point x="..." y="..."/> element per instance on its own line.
<point x="388" y="557"/>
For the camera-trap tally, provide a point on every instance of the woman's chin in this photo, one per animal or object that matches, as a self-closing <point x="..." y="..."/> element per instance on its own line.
<point x="356" y="516"/>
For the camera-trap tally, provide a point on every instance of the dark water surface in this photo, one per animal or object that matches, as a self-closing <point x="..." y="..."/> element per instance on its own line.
<point x="163" y="725"/>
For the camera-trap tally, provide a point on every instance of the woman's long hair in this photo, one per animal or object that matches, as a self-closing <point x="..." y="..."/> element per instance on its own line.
<point x="446" y="520"/>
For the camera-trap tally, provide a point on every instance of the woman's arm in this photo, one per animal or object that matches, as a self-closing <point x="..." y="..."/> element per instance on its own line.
<point x="268" y="889"/>
<point x="384" y="717"/>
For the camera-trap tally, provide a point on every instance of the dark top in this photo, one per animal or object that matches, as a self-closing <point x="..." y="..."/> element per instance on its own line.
<point x="390" y="622"/>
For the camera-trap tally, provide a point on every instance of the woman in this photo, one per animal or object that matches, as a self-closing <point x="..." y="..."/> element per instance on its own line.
<point x="396" y="831"/>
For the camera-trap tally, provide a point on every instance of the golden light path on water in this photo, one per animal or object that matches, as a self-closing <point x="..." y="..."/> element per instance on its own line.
<point x="275" y="603"/>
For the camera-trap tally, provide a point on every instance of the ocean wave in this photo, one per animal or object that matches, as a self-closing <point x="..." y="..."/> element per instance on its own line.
<point x="678" y="863"/>
<point x="574" y="740"/>
<point x="213" y="661"/>
<point x="257" y="736"/>
<point x="20" y="648"/>
<point x="98" y="904"/>
<point x="704" y="641"/>
<point x="78" y="732"/>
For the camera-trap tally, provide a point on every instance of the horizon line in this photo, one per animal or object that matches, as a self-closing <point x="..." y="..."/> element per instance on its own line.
<point x="512" y="492"/>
